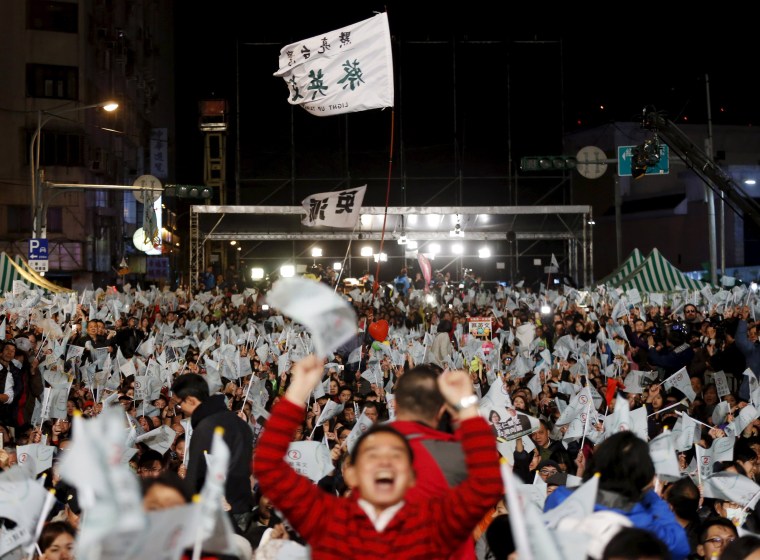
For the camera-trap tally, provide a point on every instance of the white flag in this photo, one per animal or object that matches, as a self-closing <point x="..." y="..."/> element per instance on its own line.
<point x="329" y="318"/>
<point x="721" y="383"/>
<point x="310" y="459"/>
<point x="731" y="487"/>
<point x="330" y="411"/>
<point x="663" y="453"/>
<point x="41" y="454"/>
<point x="160" y="439"/>
<point x="338" y="209"/>
<point x="362" y="425"/>
<point x="578" y="504"/>
<point x="578" y="404"/>
<point x="685" y="433"/>
<point x="681" y="381"/>
<point x="342" y="71"/>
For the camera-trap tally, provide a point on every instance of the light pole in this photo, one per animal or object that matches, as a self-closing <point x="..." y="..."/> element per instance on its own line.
<point x="34" y="158"/>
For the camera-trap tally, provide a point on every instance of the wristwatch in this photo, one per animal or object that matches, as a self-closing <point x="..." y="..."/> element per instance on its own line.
<point x="466" y="402"/>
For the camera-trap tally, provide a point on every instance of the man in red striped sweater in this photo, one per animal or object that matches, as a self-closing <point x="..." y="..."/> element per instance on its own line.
<point x="377" y="521"/>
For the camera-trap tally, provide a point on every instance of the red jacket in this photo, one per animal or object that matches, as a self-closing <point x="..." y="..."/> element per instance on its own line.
<point x="422" y="529"/>
<point x="439" y="464"/>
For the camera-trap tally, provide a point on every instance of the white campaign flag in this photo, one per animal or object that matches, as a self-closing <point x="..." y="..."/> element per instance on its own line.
<point x="680" y="380"/>
<point x="362" y="425"/>
<point x="310" y="459"/>
<point x="579" y="504"/>
<point x="330" y="411"/>
<point x="160" y="439"/>
<point x="214" y="526"/>
<point x="742" y="420"/>
<point x="620" y="419"/>
<point x="578" y="404"/>
<point x="342" y="71"/>
<point x="721" y="383"/>
<point x="330" y="319"/>
<point x="663" y="453"/>
<point x="338" y="209"/>
<point x="754" y="387"/>
<point x="731" y="487"/>
<point x="40" y="454"/>
<point x="685" y="433"/>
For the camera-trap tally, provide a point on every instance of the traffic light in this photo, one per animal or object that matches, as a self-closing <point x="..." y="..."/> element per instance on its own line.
<point x="548" y="163"/>
<point x="193" y="191"/>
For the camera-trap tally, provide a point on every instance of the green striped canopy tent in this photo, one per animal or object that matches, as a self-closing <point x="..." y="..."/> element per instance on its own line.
<point x="656" y="274"/>
<point x="18" y="269"/>
<point x="634" y="259"/>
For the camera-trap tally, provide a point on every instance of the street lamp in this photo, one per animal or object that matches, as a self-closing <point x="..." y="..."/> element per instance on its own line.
<point x="34" y="157"/>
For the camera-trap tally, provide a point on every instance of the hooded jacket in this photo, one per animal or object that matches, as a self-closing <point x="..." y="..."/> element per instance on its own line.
<point x="650" y="513"/>
<point x="237" y="435"/>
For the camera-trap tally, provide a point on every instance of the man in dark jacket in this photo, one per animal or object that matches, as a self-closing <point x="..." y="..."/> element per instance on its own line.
<point x="207" y="412"/>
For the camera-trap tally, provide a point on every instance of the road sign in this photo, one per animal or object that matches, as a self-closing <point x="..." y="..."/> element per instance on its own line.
<point x="38" y="249"/>
<point x="39" y="266"/>
<point x="38" y="254"/>
<point x="592" y="162"/>
<point x="147" y="182"/>
<point x="624" y="161"/>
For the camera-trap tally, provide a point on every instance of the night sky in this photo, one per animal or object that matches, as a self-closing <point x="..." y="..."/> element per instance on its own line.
<point x="520" y="78"/>
<point x="561" y="78"/>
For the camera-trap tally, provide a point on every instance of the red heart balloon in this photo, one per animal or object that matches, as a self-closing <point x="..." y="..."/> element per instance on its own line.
<point x="378" y="330"/>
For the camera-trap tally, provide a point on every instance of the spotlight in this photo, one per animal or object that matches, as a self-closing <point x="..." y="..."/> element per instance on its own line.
<point x="411" y="245"/>
<point x="316" y="252"/>
<point x="233" y="242"/>
<point x="257" y="273"/>
<point x="434" y="248"/>
<point x="546" y="310"/>
<point x="366" y="252"/>
<point x="337" y="265"/>
<point x="457" y="249"/>
<point x="287" y="271"/>
<point x="484" y="253"/>
<point x="402" y="240"/>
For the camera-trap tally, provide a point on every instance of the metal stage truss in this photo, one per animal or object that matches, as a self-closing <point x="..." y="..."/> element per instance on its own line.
<point x="569" y="224"/>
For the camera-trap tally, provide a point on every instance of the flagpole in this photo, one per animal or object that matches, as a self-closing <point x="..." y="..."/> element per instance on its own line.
<point x="376" y="284"/>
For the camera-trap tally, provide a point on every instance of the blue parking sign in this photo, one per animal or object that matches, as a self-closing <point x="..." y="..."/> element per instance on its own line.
<point x="38" y="249"/>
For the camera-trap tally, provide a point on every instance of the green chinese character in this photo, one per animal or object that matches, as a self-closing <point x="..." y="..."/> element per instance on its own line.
<point x="296" y="95"/>
<point x="317" y="83"/>
<point x="353" y="75"/>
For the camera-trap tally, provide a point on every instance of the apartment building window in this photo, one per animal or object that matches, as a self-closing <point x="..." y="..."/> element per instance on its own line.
<point x="51" y="81"/>
<point x="58" y="148"/>
<point x="52" y="15"/>
<point x="130" y="208"/>
<point x="19" y="219"/>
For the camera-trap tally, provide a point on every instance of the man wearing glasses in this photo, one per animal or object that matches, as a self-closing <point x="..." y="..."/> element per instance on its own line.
<point x="716" y="534"/>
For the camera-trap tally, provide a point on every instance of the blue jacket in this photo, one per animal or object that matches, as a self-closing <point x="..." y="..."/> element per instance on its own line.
<point x="751" y="351"/>
<point x="651" y="513"/>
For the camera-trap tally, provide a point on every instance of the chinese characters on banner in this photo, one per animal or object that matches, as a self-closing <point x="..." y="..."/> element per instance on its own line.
<point x="159" y="152"/>
<point x="342" y="71"/>
<point x="339" y="209"/>
<point x="480" y="326"/>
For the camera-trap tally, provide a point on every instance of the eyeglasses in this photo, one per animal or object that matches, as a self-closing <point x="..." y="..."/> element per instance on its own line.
<point x="547" y="472"/>
<point x="720" y="542"/>
<point x="690" y="310"/>
<point x="149" y="469"/>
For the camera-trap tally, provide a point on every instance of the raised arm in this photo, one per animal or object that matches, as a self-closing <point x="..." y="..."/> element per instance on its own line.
<point x="465" y="505"/>
<point x="303" y="503"/>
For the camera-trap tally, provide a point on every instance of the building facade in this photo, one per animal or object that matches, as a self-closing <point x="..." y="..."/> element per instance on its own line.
<point x="58" y="58"/>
